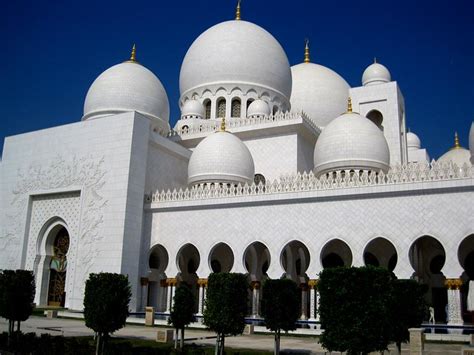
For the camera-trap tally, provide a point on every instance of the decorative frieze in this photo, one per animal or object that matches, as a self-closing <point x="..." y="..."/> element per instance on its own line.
<point x="406" y="174"/>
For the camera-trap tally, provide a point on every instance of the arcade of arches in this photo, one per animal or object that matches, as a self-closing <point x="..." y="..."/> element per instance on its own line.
<point x="449" y="297"/>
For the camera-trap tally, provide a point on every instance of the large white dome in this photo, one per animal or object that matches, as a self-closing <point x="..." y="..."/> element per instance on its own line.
<point x="318" y="91"/>
<point x="193" y="109"/>
<point x="126" y="87"/>
<point x="457" y="155"/>
<point x="221" y="158"/>
<point x="237" y="52"/>
<point x="351" y="142"/>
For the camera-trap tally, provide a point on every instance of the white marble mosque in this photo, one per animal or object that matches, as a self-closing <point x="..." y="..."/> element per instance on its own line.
<point x="272" y="170"/>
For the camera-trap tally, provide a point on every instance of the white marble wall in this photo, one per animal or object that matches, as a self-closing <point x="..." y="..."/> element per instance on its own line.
<point x="399" y="213"/>
<point x="104" y="162"/>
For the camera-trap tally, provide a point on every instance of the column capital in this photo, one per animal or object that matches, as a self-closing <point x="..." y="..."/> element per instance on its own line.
<point x="164" y="282"/>
<point x="202" y="282"/>
<point x="453" y="284"/>
<point x="172" y="281"/>
<point x="255" y="285"/>
<point x="313" y="283"/>
<point x="144" y="281"/>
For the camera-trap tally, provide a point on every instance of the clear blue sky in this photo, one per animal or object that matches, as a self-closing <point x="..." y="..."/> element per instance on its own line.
<point x="53" y="50"/>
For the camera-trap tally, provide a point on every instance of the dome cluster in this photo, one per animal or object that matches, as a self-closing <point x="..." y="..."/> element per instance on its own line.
<point x="237" y="69"/>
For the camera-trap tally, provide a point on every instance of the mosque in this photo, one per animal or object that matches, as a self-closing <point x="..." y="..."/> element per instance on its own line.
<point x="272" y="170"/>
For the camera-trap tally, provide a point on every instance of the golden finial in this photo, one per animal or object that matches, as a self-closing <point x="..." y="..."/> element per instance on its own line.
<point x="306" y="51"/>
<point x="133" y="56"/>
<point x="456" y="141"/>
<point x="222" y="125"/>
<point x="237" y="11"/>
<point x="349" y="105"/>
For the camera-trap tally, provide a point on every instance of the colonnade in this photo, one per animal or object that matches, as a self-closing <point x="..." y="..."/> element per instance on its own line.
<point x="309" y="298"/>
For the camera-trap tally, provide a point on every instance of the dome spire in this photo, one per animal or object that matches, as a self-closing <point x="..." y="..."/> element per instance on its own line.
<point x="349" y="105"/>
<point x="375" y="60"/>
<point x="456" y="141"/>
<point x="306" y="51"/>
<point x="237" y="11"/>
<point x="222" y="125"/>
<point x="133" y="55"/>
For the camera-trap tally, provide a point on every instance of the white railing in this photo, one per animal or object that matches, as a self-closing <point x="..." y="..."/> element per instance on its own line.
<point x="208" y="127"/>
<point x="407" y="174"/>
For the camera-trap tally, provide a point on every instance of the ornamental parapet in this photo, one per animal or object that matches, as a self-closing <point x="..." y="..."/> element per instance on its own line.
<point x="245" y="122"/>
<point x="453" y="284"/>
<point x="399" y="174"/>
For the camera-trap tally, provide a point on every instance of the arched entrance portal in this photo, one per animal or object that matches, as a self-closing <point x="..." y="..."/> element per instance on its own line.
<point x="336" y="253"/>
<point x="157" y="262"/>
<point x="256" y="261"/>
<point x="380" y="252"/>
<point x="57" y="269"/>
<point x="221" y="258"/>
<point x="188" y="260"/>
<point x="466" y="259"/>
<point x="427" y="257"/>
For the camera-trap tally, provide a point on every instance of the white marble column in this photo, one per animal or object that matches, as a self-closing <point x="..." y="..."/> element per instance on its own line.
<point x="144" y="292"/>
<point x="304" y="301"/>
<point x="202" y="295"/>
<point x="317" y="305"/>
<point x="255" y="299"/>
<point x="312" y="299"/>
<point x="169" y="298"/>
<point x="454" y="301"/>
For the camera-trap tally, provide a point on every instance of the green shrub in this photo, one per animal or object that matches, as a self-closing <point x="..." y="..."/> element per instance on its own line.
<point x="355" y="309"/>
<point x="106" y="302"/>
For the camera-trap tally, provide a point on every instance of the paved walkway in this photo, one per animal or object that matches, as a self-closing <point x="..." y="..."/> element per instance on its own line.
<point x="289" y="344"/>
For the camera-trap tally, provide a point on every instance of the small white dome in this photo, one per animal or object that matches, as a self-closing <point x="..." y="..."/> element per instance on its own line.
<point x="193" y="108"/>
<point x="127" y="87"/>
<point x="237" y="52"/>
<point x="351" y="142"/>
<point x="375" y="74"/>
<point x="457" y="155"/>
<point x="221" y="158"/>
<point x="471" y="142"/>
<point x="413" y="142"/>
<point x="258" y="108"/>
<point x="318" y="91"/>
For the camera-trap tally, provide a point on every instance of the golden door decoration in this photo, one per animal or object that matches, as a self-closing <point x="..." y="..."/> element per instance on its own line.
<point x="58" y="266"/>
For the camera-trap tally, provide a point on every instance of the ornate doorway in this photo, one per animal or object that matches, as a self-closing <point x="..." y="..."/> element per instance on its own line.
<point x="58" y="267"/>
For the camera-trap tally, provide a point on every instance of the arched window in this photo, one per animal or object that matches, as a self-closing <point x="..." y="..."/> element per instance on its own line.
<point x="275" y="109"/>
<point x="235" y="107"/>
<point x="220" y="112"/>
<point x="207" y="106"/>
<point x="376" y="117"/>
<point x="259" y="178"/>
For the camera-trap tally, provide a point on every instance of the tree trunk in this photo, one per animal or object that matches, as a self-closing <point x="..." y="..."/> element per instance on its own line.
<point x="181" y="344"/>
<point x="98" y="344"/>
<point x="222" y="344"/>
<point x="176" y="338"/>
<point x="399" y="347"/>
<point x="18" y="326"/>
<point x="216" y="352"/>
<point x="277" y="343"/>
<point x="10" y="331"/>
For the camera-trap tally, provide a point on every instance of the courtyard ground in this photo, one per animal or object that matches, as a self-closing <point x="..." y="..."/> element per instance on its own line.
<point x="289" y="344"/>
